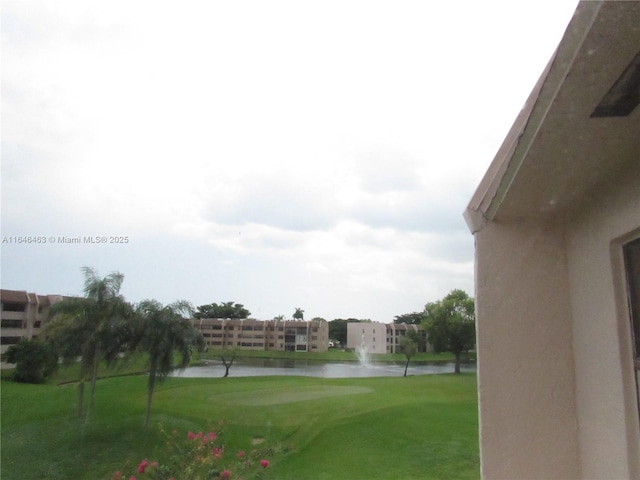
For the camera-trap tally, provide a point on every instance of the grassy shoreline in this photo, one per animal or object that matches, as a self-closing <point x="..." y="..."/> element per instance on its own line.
<point x="340" y="356"/>
<point x="404" y="428"/>
<point x="137" y="364"/>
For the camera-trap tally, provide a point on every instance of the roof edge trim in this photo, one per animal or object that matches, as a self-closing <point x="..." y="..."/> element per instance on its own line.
<point x="494" y="186"/>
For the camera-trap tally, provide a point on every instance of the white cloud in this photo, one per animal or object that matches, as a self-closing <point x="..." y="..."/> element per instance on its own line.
<point x="310" y="154"/>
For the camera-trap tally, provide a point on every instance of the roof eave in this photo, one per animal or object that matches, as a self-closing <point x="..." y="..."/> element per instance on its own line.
<point x="495" y="184"/>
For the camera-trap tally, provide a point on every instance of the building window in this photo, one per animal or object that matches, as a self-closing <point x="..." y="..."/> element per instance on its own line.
<point x="13" y="307"/>
<point x="631" y="253"/>
<point x="11" y="323"/>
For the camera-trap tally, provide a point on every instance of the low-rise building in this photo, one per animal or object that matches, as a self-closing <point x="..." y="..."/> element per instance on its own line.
<point x="22" y="315"/>
<point x="251" y="334"/>
<point x="379" y="337"/>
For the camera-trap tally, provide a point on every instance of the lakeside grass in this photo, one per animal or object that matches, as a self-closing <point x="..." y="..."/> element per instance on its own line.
<point x="338" y="355"/>
<point x="421" y="427"/>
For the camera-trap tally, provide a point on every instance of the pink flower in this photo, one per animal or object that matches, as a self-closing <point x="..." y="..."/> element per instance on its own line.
<point x="240" y="454"/>
<point x="132" y="477"/>
<point x="191" y="435"/>
<point x="143" y="465"/>
<point x="217" y="452"/>
<point x="212" y="436"/>
<point x="117" y="476"/>
<point x="199" y="435"/>
<point x="225" y="474"/>
<point x="264" y="463"/>
<point x="154" y="464"/>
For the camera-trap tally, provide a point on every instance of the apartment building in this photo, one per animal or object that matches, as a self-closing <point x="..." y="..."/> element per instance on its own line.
<point x="22" y="315"/>
<point x="379" y="337"/>
<point x="251" y="334"/>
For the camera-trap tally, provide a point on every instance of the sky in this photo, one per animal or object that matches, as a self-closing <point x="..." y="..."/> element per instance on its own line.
<point x="279" y="154"/>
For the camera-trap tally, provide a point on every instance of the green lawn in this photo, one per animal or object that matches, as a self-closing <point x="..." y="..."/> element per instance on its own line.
<point x="421" y="427"/>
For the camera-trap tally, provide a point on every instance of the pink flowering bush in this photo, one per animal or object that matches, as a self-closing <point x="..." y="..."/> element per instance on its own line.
<point x="201" y="456"/>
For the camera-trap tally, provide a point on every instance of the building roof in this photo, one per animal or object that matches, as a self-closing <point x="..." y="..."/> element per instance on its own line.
<point x="570" y="135"/>
<point x="14" y="296"/>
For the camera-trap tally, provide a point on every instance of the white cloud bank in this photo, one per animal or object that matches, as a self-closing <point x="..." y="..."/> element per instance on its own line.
<point x="279" y="154"/>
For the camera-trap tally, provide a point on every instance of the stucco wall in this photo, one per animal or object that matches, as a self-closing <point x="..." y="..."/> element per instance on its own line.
<point x="373" y="334"/>
<point x="528" y="424"/>
<point x="605" y="388"/>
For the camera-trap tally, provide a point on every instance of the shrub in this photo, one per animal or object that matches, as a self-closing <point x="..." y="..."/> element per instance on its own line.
<point x="35" y="361"/>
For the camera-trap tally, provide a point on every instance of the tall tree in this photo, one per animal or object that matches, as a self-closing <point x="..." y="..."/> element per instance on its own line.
<point x="163" y="331"/>
<point x="94" y="328"/>
<point x="228" y="355"/>
<point x="222" y="310"/>
<point x="450" y="324"/>
<point x="414" y="318"/>
<point x="298" y="314"/>
<point x="409" y="348"/>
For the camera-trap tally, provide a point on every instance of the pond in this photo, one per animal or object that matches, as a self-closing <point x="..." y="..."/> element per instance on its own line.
<point x="252" y="367"/>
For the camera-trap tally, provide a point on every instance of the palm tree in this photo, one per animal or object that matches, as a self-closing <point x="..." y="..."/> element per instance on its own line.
<point x="93" y="328"/>
<point x="299" y="313"/>
<point x="161" y="331"/>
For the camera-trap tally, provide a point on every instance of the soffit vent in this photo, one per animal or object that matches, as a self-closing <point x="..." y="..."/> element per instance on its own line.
<point x="624" y="95"/>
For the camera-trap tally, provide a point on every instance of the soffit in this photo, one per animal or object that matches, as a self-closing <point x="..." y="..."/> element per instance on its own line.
<point x="558" y="154"/>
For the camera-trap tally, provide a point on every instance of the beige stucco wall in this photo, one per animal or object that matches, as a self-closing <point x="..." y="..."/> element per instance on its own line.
<point x="605" y="389"/>
<point x="557" y="392"/>
<point x="528" y="424"/>
<point x="374" y="335"/>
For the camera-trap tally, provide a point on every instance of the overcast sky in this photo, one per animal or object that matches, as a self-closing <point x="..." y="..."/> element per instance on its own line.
<point x="279" y="154"/>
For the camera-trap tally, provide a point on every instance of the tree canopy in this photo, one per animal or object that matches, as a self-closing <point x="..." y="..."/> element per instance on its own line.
<point x="450" y="324"/>
<point x="222" y="310"/>
<point x="161" y="331"/>
<point x="94" y="328"/>
<point x="413" y="318"/>
<point x="35" y="361"/>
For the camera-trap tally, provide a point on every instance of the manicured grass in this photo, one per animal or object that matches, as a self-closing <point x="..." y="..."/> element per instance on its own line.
<point x="421" y="427"/>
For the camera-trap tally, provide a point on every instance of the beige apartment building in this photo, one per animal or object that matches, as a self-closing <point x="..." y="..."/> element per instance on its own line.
<point x="23" y="314"/>
<point x="556" y="221"/>
<point x="378" y="337"/>
<point x="250" y="334"/>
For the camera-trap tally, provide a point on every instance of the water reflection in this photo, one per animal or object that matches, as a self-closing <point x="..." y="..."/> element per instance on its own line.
<point x="270" y="366"/>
